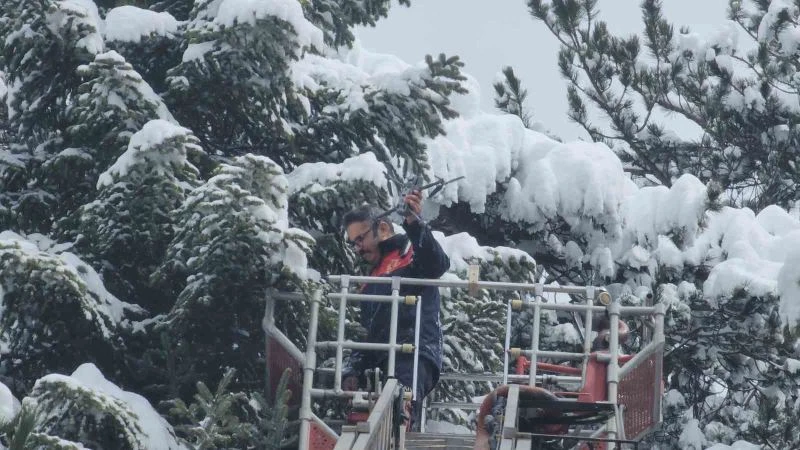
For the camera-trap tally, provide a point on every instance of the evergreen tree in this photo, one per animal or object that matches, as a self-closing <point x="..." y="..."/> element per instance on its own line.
<point x="45" y="42"/>
<point x="510" y="98"/>
<point x="127" y="228"/>
<point x="338" y="17"/>
<point x="213" y="422"/>
<point x="232" y="242"/>
<point x="232" y="87"/>
<point x="44" y="37"/>
<point x="85" y="410"/>
<point x="109" y="107"/>
<point x="180" y="9"/>
<point x="5" y="138"/>
<point x="738" y="343"/>
<point x="361" y="115"/>
<point x="19" y="433"/>
<point x="743" y="102"/>
<point x="223" y="419"/>
<point x="154" y="50"/>
<point x="54" y="314"/>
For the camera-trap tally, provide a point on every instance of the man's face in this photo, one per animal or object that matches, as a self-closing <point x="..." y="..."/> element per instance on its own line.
<point x="364" y="241"/>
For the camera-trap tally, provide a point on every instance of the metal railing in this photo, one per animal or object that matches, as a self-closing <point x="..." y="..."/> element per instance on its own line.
<point x="376" y="431"/>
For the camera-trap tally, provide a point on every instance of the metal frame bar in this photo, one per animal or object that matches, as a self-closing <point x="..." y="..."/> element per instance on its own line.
<point x="507" y="342"/>
<point x="337" y="376"/>
<point x="393" y="327"/>
<point x="491" y="377"/>
<point x="306" y="415"/>
<point x="495" y="285"/>
<point x="510" y="419"/>
<point x="416" y="347"/>
<point x="587" y="332"/>
<point x="534" y="352"/>
<point x="548" y="354"/>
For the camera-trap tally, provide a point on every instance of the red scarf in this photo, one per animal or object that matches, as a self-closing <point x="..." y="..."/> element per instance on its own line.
<point x="392" y="261"/>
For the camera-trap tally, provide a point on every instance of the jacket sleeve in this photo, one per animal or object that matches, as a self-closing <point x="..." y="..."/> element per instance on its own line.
<point x="430" y="261"/>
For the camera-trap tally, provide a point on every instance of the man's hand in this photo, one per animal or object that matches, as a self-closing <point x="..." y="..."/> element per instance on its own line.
<point x="414" y="202"/>
<point x="350" y="383"/>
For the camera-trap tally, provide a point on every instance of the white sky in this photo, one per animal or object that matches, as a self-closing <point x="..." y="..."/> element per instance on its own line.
<point x="490" y="34"/>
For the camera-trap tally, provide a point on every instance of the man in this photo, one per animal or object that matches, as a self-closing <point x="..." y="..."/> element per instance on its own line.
<point x="415" y="254"/>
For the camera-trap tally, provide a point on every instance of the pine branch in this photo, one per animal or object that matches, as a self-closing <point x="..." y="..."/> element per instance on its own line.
<point x="510" y="96"/>
<point x="20" y="429"/>
<point x="277" y="422"/>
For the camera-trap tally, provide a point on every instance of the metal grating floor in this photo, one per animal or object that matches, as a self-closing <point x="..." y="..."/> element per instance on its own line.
<point x="439" y="441"/>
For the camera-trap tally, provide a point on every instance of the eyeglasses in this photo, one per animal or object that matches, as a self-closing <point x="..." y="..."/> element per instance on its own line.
<point x="359" y="240"/>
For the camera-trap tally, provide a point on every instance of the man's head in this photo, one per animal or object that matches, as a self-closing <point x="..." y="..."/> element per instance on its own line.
<point x="365" y="230"/>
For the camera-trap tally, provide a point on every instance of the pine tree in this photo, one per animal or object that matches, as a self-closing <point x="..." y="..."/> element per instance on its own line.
<point x="360" y="115"/>
<point x="54" y="314"/>
<point x="212" y="417"/>
<point x="44" y="37"/>
<point x="45" y="42"/>
<point x="224" y="419"/>
<point x="157" y="49"/>
<point x="232" y="86"/>
<point x="85" y="410"/>
<point x="276" y="422"/>
<point x="743" y="102"/>
<point x="510" y="98"/>
<point x="180" y="9"/>
<point x="5" y="138"/>
<point x="19" y="433"/>
<point x="738" y="343"/>
<point x="232" y="242"/>
<point x="337" y="17"/>
<point x="127" y="228"/>
<point x="109" y="107"/>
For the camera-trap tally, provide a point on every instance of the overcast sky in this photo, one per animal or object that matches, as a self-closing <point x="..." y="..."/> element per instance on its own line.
<point x="490" y="34"/>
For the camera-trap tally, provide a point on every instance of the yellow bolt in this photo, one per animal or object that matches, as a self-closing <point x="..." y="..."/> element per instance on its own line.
<point x="407" y="348"/>
<point x="411" y="300"/>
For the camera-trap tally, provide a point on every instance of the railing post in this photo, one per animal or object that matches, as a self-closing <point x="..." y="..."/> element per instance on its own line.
<point x="306" y="415"/>
<point x="418" y="305"/>
<point x="507" y="342"/>
<point x="658" y="337"/>
<point x="537" y="316"/>
<point x="613" y="365"/>
<point x="337" y="376"/>
<point x="587" y="333"/>
<point x="393" y="327"/>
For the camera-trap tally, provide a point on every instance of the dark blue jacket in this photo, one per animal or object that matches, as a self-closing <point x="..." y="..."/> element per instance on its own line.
<point x="414" y="255"/>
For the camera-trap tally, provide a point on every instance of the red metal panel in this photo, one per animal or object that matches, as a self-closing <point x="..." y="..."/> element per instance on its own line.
<point x="320" y="438"/>
<point x="279" y="360"/>
<point x="639" y="391"/>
